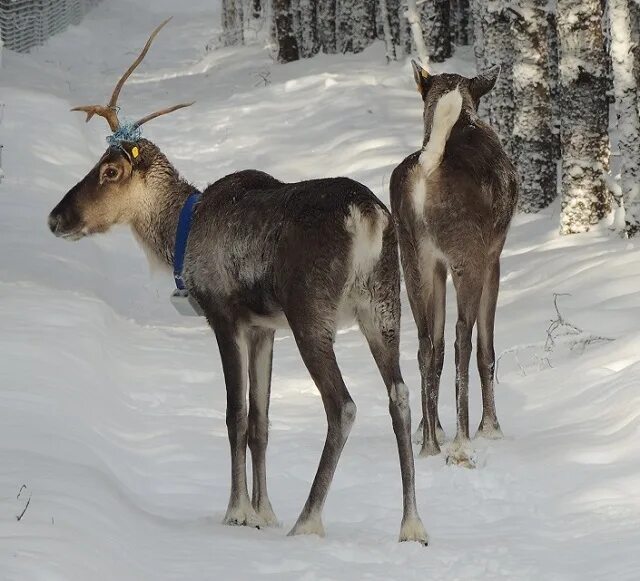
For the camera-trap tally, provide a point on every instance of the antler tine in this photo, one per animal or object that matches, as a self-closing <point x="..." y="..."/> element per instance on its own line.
<point x="109" y="111"/>
<point x="161" y="112"/>
<point x="109" y="114"/>
<point x="116" y="92"/>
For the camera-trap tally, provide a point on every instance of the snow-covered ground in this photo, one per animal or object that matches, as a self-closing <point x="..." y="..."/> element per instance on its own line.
<point x="112" y="406"/>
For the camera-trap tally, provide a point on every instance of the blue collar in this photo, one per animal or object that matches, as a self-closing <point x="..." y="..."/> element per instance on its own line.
<point x="182" y="236"/>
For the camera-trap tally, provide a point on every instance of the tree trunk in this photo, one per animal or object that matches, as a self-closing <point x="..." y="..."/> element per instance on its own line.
<point x="434" y="19"/>
<point x="634" y="8"/>
<point x="386" y="27"/>
<point x="554" y="83"/>
<point x="459" y="22"/>
<point x="326" y="25"/>
<point x="285" y="33"/>
<point x="232" y="22"/>
<point x="413" y="16"/>
<point x="626" y="99"/>
<point x="584" y="114"/>
<point x="256" y="8"/>
<point x="355" y="25"/>
<point x="494" y="26"/>
<point x="308" y="35"/>
<point x="532" y="130"/>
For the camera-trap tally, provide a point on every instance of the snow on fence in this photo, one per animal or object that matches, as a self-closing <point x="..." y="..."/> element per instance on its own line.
<point x="28" y="23"/>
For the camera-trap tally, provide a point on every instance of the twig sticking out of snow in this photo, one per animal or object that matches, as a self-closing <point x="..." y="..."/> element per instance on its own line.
<point x="560" y="328"/>
<point x="559" y="331"/>
<point x="26" y="506"/>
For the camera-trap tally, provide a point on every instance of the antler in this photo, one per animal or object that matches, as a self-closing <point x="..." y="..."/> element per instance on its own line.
<point x="110" y="111"/>
<point x="161" y="112"/>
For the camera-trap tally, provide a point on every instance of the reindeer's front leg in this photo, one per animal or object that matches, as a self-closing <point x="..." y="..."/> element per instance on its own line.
<point x="232" y="343"/>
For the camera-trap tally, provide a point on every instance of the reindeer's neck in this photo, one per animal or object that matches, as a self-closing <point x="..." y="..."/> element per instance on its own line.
<point x="155" y="228"/>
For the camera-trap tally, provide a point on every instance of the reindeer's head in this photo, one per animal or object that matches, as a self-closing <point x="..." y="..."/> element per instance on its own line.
<point x="113" y="191"/>
<point x="433" y="87"/>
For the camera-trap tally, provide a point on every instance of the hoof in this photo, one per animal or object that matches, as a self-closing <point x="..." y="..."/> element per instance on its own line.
<point x="489" y="431"/>
<point x="461" y="454"/>
<point x="418" y="435"/>
<point x="429" y="449"/>
<point x="243" y="516"/>
<point x="267" y="516"/>
<point x="310" y="526"/>
<point x="413" y="530"/>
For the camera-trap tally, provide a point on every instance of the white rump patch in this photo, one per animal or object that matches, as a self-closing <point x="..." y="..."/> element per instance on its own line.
<point x="445" y="115"/>
<point x="367" y="234"/>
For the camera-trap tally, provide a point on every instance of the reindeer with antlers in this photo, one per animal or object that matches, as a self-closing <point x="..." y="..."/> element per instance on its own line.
<point x="453" y="202"/>
<point x="262" y="254"/>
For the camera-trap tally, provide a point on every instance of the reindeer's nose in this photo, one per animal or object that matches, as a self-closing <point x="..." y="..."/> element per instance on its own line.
<point x="55" y="223"/>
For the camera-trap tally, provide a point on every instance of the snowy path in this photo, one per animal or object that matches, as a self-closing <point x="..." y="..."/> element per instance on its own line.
<point x="112" y="407"/>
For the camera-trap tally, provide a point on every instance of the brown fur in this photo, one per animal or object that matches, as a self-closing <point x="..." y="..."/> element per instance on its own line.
<point x="469" y="200"/>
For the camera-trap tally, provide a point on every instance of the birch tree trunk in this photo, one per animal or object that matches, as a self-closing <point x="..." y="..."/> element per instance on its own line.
<point x="413" y="16"/>
<point x="386" y="28"/>
<point x="584" y="114"/>
<point x="492" y="25"/>
<point x="554" y="83"/>
<point x="308" y="34"/>
<point x="285" y="33"/>
<point x="232" y="22"/>
<point x="634" y="8"/>
<point x="355" y="25"/>
<point x="532" y="126"/>
<point x="626" y="98"/>
<point x="459" y="22"/>
<point x="326" y="25"/>
<point x="434" y="20"/>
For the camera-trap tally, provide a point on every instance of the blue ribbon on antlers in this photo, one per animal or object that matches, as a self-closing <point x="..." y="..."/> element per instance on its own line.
<point x="128" y="131"/>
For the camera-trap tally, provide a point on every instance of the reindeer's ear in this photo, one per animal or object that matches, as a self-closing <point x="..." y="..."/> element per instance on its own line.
<point x="484" y="82"/>
<point x="421" y="77"/>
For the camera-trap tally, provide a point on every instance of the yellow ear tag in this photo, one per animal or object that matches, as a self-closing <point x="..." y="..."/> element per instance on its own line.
<point x="134" y="151"/>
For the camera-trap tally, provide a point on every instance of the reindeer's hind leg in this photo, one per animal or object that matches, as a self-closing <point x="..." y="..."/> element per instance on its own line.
<point x="468" y="284"/>
<point x="382" y="336"/>
<point x="233" y="352"/>
<point x="434" y="361"/>
<point x="260" y="361"/>
<point x="379" y="319"/>
<point x="313" y="327"/>
<point x="489" y="426"/>
<point x="425" y="277"/>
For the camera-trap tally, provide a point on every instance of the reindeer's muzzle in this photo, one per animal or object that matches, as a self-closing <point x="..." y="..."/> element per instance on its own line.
<point x="65" y="222"/>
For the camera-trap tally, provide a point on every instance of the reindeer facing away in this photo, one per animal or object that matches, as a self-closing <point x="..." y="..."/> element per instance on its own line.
<point x="453" y="202"/>
<point x="261" y="255"/>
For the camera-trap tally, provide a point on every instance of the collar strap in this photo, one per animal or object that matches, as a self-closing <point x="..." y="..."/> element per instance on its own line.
<point x="182" y="237"/>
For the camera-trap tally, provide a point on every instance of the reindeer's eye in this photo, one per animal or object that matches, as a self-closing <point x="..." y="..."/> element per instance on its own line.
<point x="111" y="173"/>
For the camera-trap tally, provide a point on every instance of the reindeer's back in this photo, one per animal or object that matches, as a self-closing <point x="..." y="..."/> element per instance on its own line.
<point x="254" y="236"/>
<point x="476" y="165"/>
<point x="475" y="185"/>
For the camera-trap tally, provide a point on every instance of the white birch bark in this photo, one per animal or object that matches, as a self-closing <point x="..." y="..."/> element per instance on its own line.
<point x="532" y="126"/>
<point x="413" y="16"/>
<point x="626" y="96"/>
<point x="584" y="115"/>
<point x="386" y="28"/>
